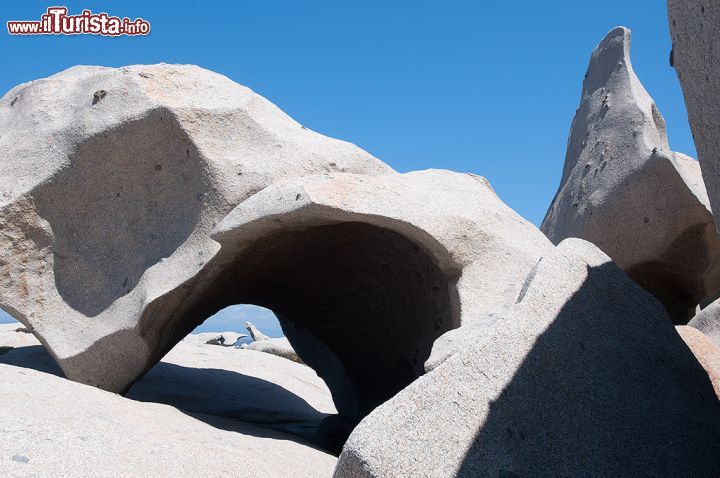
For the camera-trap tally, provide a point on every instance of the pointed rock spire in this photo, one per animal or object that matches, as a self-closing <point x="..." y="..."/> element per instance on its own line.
<point x="624" y="190"/>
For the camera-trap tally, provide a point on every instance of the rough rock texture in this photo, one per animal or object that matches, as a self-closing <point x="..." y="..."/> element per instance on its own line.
<point x="706" y="352"/>
<point x="455" y="340"/>
<point x="364" y="273"/>
<point x="586" y="376"/>
<point x="625" y="191"/>
<point x="54" y="427"/>
<point x="106" y="206"/>
<point x="707" y="321"/>
<point x="695" y="32"/>
<point x="279" y="346"/>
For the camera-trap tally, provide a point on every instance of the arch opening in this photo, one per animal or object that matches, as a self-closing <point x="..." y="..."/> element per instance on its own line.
<point x="360" y="304"/>
<point x="6" y="318"/>
<point x="7" y="323"/>
<point x="233" y="318"/>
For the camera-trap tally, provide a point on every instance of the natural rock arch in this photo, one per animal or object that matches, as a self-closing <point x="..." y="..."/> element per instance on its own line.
<point x="360" y="303"/>
<point x="362" y="281"/>
<point x="187" y="146"/>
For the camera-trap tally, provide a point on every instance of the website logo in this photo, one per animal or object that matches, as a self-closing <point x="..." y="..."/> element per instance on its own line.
<point x="56" y="21"/>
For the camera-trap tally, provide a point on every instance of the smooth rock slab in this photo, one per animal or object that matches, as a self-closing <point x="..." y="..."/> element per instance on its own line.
<point x="244" y="385"/>
<point x="54" y="427"/>
<point x="106" y="207"/>
<point x="240" y="385"/>
<point x="586" y="376"/>
<point x="624" y="190"/>
<point x="10" y="337"/>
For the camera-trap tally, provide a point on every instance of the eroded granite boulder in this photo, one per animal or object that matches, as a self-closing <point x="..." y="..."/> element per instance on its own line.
<point x="279" y="346"/>
<point x="107" y="202"/>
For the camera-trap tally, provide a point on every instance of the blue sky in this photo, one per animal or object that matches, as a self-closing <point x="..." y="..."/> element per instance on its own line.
<point x="477" y="86"/>
<point x="233" y="318"/>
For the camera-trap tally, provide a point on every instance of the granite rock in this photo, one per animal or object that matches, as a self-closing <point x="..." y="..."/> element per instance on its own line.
<point x="707" y="321"/>
<point x="695" y="33"/>
<point x="55" y="427"/>
<point x="706" y="352"/>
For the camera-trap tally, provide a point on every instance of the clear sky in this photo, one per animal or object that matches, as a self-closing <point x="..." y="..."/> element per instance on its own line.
<point x="478" y="86"/>
<point x="233" y="318"/>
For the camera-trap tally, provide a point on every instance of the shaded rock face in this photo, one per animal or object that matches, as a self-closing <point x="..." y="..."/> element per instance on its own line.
<point x="367" y="293"/>
<point x="107" y="202"/>
<point x="583" y="377"/>
<point x="129" y="197"/>
<point x="365" y="273"/>
<point x="625" y="191"/>
<point x="695" y="32"/>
